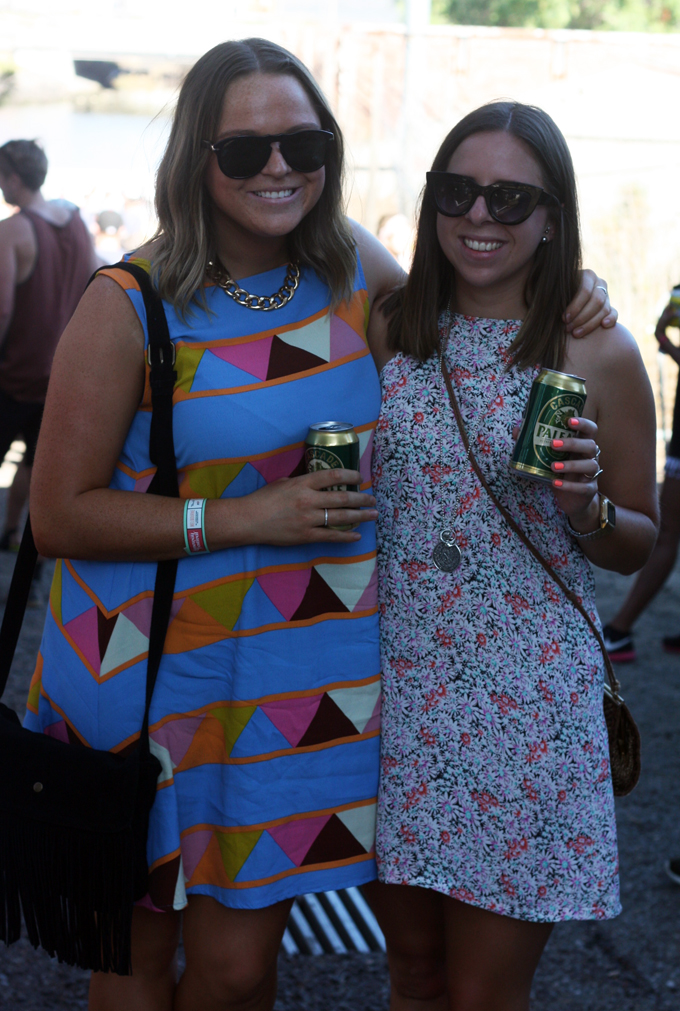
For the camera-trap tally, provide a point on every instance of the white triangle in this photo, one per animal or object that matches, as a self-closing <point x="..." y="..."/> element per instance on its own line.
<point x="363" y="440"/>
<point x="361" y="823"/>
<point x="163" y="756"/>
<point x="348" y="581"/>
<point x="314" y="337"/>
<point x="180" y="898"/>
<point x="126" y="642"/>
<point x="357" y="703"/>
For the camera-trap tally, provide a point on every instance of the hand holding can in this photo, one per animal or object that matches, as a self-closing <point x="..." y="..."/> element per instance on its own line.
<point x="329" y="445"/>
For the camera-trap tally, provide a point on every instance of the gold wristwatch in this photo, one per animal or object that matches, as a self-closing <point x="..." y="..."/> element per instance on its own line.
<point x="607" y="520"/>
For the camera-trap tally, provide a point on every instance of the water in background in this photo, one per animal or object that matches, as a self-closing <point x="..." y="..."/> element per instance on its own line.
<point x="100" y="161"/>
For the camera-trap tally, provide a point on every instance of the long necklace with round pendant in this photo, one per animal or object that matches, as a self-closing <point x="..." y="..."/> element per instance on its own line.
<point x="446" y="553"/>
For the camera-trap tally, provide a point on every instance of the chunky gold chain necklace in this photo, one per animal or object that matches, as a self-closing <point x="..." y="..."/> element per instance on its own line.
<point x="221" y="276"/>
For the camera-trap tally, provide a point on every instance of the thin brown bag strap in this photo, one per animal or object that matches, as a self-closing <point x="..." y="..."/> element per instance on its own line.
<point x="525" y="540"/>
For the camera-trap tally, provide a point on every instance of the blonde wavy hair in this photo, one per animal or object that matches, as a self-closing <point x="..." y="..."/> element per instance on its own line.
<point x="184" y="241"/>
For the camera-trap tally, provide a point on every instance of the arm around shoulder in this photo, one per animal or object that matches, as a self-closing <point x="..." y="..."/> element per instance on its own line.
<point x="381" y="270"/>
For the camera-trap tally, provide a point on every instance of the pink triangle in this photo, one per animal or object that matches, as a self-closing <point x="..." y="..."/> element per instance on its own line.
<point x="252" y="356"/>
<point x="344" y="340"/>
<point x="365" y="461"/>
<point x="374" y="722"/>
<point x="292" y="716"/>
<point x="143" y="482"/>
<point x="279" y="465"/>
<point x="58" y="731"/>
<point x="286" y="589"/>
<point x="296" y="837"/>
<point x="194" y="846"/>
<point x="369" y="598"/>
<point x="139" y="613"/>
<point x="177" y="735"/>
<point x="84" y="632"/>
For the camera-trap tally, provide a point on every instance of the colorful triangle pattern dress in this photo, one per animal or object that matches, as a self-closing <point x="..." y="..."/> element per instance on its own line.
<point x="495" y="786"/>
<point x="266" y="712"/>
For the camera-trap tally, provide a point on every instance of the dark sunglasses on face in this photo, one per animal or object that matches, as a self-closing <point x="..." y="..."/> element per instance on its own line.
<point x="244" y="157"/>
<point x="507" y="203"/>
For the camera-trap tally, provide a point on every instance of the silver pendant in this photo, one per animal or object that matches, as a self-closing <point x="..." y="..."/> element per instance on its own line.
<point x="446" y="554"/>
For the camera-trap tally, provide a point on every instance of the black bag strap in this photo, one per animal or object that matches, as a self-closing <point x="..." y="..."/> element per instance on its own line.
<point x="161" y="359"/>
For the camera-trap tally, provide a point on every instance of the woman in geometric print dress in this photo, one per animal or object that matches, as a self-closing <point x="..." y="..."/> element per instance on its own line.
<point x="495" y="803"/>
<point x="265" y="714"/>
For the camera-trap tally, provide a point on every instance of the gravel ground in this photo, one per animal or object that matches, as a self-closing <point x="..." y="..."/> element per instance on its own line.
<point x="628" y="964"/>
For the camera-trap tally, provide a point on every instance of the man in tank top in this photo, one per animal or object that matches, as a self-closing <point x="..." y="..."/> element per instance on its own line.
<point x="46" y="258"/>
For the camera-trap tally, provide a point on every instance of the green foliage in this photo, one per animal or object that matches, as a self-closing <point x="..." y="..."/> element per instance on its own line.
<point x="600" y="15"/>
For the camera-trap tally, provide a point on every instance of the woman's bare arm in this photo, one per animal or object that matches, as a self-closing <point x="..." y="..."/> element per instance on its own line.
<point x="95" y="389"/>
<point x="621" y="404"/>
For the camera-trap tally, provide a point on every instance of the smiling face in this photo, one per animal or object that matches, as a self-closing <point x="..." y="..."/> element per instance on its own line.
<point x="272" y="203"/>
<point x="492" y="260"/>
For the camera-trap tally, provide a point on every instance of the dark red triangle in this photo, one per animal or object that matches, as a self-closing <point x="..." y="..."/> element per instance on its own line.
<point x="318" y="599"/>
<point x="329" y="724"/>
<point x="105" y="627"/>
<point x="334" y="842"/>
<point x="300" y="469"/>
<point x="286" y="360"/>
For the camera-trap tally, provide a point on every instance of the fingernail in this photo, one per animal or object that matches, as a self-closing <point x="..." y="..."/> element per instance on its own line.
<point x="557" y="484"/>
<point x="558" y="466"/>
<point x="558" y="443"/>
<point x="578" y="331"/>
<point x="573" y="422"/>
<point x="568" y="317"/>
<point x="607" y="321"/>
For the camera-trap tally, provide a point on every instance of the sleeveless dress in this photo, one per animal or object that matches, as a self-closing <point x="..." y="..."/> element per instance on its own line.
<point x="265" y="715"/>
<point x="495" y="781"/>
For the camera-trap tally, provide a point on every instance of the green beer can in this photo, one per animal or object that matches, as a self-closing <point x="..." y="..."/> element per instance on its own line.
<point x="555" y="397"/>
<point x="331" y="444"/>
<point x="675" y="302"/>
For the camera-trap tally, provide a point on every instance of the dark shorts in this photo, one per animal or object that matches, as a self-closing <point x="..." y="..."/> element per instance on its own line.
<point x="19" y="419"/>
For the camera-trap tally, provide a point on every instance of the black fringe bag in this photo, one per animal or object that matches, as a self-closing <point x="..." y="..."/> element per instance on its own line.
<point x="74" y="820"/>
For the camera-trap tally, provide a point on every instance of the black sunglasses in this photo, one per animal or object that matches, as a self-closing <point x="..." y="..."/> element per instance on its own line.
<point x="244" y="157"/>
<point x="507" y="203"/>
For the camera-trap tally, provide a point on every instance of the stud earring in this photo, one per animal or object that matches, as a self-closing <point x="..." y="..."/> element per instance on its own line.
<point x="545" y="236"/>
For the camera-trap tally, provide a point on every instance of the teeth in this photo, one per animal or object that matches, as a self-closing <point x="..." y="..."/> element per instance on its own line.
<point x="274" y="194"/>
<point x="483" y="247"/>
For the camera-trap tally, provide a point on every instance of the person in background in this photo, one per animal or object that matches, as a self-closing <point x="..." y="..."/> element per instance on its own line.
<point x="396" y="233"/>
<point x="617" y="634"/>
<point x="46" y="258"/>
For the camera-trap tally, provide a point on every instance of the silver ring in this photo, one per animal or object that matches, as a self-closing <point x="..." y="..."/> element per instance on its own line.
<point x="325" y="517"/>
<point x="603" y="288"/>
<point x="597" y="455"/>
<point x="597" y="474"/>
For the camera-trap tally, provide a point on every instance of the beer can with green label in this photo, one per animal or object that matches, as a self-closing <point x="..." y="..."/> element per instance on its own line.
<point x="675" y="302"/>
<point x="331" y="444"/>
<point x="555" y="397"/>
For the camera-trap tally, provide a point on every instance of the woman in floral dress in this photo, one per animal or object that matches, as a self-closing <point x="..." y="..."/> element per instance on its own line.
<point x="496" y="804"/>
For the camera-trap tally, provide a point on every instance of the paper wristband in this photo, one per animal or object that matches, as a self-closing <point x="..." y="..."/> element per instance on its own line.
<point x="194" y="527"/>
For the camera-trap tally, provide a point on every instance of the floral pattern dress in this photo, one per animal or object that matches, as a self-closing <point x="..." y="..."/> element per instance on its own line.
<point x="495" y="784"/>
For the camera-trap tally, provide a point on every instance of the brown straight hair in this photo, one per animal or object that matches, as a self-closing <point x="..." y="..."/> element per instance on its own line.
<point x="184" y="241"/>
<point x="413" y="311"/>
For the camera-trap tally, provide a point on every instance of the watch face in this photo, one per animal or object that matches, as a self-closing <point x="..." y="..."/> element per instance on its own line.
<point x="608" y="514"/>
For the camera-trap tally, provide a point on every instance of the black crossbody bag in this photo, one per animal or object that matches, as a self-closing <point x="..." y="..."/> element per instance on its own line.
<point x="74" y="820"/>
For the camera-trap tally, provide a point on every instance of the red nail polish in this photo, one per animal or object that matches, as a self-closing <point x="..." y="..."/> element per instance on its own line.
<point x="558" y="466"/>
<point x="573" y="422"/>
<point x="558" y="484"/>
<point x="557" y="443"/>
